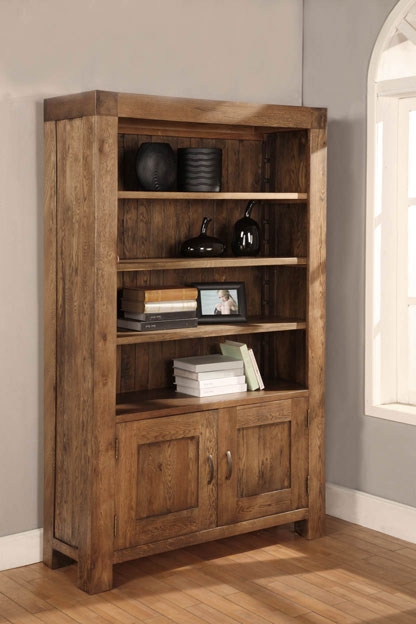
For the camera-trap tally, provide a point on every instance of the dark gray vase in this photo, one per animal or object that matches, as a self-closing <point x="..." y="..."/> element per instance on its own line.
<point x="156" y="167"/>
<point x="199" y="169"/>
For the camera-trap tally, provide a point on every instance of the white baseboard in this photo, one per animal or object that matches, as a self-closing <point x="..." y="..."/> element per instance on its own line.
<point x="369" y="511"/>
<point x="372" y="512"/>
<point x="21" y="549"/>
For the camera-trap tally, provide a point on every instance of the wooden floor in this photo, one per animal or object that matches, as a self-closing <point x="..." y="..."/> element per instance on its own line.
<point x="350" y="575"/>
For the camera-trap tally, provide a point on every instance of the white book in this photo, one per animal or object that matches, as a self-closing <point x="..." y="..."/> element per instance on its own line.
<point x="204" y="392"/>
<point x="256" y="369"/>
<point x="215" y="374"/>
<point x="199" y="363"/>
<point x="210" y="383"/>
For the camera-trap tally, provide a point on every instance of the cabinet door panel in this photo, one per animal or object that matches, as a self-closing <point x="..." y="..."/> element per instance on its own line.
<point x="263" y="460"/>
<point x="164" y="484"/>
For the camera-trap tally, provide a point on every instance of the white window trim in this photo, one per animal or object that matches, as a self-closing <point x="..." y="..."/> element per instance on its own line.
<point x="389" y="410"/>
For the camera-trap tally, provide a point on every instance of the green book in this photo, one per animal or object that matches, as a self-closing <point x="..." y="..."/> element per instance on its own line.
<point x="239" y="350"/>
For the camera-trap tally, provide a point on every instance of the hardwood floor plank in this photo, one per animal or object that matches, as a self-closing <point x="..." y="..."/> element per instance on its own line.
<point x="11" y="611"/>
<point x="337" y="614"/>
<point x="267" y="577"/>
<point x="26" y="599"/>
<point x="258" y="603"/>
<point x="313" y="618"/>
<point x="382" y="540"/>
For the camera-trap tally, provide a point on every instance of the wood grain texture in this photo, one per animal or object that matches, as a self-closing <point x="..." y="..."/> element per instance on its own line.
<point x="84" y="104"/>
<point x="266" y="443"/>
<point x="163" y="488"/>
<point x="316" y="332"/>
<point x="149" y="107"/>
<point x="86" y="251"/>
<point x="216" y="111"/>
<point x="173" y="483"/>
<point x="49" y="338"/>
<point x="273" y="575"/>
<point x="96" y="549"/>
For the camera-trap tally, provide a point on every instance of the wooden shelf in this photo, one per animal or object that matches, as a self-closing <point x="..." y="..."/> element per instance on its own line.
<point x="165" y="264"/>
<point x="166" y="402"/>
<point x="283" y="197"/>
<point x="205" y="331"/>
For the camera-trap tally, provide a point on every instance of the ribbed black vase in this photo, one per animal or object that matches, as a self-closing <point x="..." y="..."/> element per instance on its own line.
<point x="199" y="169"/>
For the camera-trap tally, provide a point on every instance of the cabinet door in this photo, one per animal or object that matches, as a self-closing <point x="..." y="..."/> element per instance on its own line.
<point x="262" y="460"/>
<point x="165" y="480"/>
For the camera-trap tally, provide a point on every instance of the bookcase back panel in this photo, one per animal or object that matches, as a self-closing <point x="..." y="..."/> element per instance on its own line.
<point x="288" y="231"/>
<point x="280" y="355"/>
<point x="150" y="229"/>
<point x="288" y="162"/>
<point x="241" y="160"/>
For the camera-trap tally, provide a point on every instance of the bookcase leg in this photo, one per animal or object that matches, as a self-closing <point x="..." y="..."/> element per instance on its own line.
<point x="56" y="560"/>
<point x="95" y="576"/>
<point x="311" y="528"/>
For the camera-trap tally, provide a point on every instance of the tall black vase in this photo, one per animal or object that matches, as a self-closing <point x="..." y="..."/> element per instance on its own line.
<point x="246" y="235"/>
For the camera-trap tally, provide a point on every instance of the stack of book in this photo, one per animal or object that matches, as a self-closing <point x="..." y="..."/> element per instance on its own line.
<point x="152" y="309"/>
<point x="209" y="375"/>
<point x="240" y="351"/>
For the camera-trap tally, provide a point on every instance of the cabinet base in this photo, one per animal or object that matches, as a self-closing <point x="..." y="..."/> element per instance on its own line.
<point x="209" y="535"/>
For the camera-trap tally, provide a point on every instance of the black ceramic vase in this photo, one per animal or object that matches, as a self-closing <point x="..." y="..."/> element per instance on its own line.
<point x="199" y="169"/>
<point x="156" y="167"/>
<point x="203" y="246"/>
<point x="246" y="235"/>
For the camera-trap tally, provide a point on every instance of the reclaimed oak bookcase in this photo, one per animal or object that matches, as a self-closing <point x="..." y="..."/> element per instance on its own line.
<point x="131" y="468"/>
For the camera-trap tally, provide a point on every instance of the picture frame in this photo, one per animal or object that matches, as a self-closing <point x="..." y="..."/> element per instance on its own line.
<point x="221" y="302"/>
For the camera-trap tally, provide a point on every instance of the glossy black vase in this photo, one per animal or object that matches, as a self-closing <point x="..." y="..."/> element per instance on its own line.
<point x="246" y="235"/>
<point x="203" y="246"/>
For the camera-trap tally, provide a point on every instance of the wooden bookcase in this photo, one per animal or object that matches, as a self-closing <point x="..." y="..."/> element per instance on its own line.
<point x="131" y="468"/>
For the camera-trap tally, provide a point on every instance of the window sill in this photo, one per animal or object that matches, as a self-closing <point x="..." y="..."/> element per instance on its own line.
<point x="397" y="412"/>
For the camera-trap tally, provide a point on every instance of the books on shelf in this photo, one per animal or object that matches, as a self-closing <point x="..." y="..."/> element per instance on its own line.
<point x="143" y="307"/>
<point x="209" y="375"/>
<point x="240" y="350"/>
<point x="148" y="294"/>
<point x="137" y="302"/>
<point x="202" y="363"/>
<point x="218" y="390"/>
<point x="126" y="323"/>
<point x="256" y="369"/>
<point x="215" y="382"/>
<point x="159" y="316"/>
<point x="205" y="375"/>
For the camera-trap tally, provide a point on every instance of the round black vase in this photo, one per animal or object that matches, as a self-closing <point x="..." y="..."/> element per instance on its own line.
<point x="203" y="246"/>
<point x="246" y="235"/>
<point x="156" y="167"/>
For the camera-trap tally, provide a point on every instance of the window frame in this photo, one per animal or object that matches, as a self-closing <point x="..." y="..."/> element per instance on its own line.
<point x="384" y="237"/>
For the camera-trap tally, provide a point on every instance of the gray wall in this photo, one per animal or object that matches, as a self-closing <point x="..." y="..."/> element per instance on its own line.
<point x="249" y="50"/>
<point x="363" y="453"/>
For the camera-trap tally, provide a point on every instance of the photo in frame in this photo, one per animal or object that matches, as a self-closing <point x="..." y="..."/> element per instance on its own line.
<point x="221" y="302"/>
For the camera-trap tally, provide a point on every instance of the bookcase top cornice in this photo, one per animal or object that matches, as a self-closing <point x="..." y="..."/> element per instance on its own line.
<point x="176" y="109"/>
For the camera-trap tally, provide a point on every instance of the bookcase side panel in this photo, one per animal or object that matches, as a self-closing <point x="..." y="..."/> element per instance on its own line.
<point x="314" y="527"/>
<point x="49" y="337"/>
<point x="86" y="351"/>
<point x="75" y="326"/>
<point x="95" y="571"/>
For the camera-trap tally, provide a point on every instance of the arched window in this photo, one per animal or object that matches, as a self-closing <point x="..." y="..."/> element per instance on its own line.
<point x="391" y="220"/>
